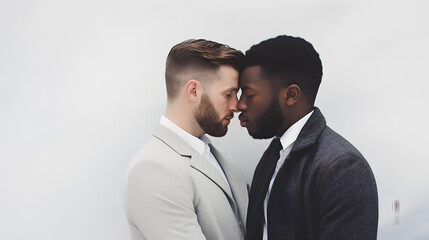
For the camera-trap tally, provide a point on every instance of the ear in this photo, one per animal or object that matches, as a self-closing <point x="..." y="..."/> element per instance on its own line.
<point x="291" y="94"/>
<point x="193" y="89"/>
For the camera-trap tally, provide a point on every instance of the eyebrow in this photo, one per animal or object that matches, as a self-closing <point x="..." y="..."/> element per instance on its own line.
<point x="231" y="89"/>
<point x="245" y="87"/>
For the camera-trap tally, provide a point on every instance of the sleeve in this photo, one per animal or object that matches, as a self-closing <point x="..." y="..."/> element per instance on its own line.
<point x="160" y="202"/>
<point x="348" y="201"/>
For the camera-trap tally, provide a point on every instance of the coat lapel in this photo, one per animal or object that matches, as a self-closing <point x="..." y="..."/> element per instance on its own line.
<point x="311" y="131"/>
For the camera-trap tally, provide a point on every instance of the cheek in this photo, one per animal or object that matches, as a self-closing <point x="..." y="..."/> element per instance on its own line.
<point x="258" y="106"/>
<point x="253" y="104"/>
<point x="220" y="104"/>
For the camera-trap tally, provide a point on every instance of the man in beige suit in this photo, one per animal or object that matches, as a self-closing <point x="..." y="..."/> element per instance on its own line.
<point x="179" y="186"/>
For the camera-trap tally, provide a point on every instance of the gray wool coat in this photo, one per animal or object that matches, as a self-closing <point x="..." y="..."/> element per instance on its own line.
<point x="324" y="190"/>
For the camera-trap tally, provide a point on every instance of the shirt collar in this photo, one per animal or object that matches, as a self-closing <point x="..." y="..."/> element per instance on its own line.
<point x="292" y="133"/>
<point x="196" y="143"/>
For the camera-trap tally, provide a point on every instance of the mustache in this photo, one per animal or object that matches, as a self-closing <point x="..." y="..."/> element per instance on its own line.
<point x="229" y="116"/>
<point x="243" y="118"/>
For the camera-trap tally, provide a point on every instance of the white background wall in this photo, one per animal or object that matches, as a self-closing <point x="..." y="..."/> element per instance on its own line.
<point x="81" y="88"/>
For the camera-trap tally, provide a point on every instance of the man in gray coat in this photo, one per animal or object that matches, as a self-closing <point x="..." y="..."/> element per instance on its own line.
<point x="310" y="183"/>
<point x="179" y="186"/>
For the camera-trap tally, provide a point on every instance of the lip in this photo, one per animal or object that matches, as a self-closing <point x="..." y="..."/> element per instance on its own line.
<point x="243" y="120"/>
<point x="228" y="119"/>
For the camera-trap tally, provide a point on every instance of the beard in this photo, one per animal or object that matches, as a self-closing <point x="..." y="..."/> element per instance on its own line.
<point x="269" y="122"/>
<point x="208" y="119"/>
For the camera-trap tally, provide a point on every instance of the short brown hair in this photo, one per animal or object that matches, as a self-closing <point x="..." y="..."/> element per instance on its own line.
<point x="195" y="58"/>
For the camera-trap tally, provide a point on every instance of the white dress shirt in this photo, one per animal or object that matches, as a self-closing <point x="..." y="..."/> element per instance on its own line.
<point x="287" y="140"/>
<point x="201" y="145"/>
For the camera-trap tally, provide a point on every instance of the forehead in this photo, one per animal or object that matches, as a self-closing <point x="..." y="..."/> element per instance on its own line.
<point x="252" y="78"/>
<point x="226" y="76"/>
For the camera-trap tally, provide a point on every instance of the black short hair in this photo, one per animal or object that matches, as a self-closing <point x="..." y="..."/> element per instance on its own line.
<point x="286" y="60"/>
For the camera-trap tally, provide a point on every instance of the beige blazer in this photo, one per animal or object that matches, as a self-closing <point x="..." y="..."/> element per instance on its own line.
<point x="173" y="192"/>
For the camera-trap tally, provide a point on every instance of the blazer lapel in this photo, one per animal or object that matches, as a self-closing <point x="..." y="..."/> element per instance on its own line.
<point x="239" y="190"/>
<point x="197" y="161"/>
<point x="205" y="167"/>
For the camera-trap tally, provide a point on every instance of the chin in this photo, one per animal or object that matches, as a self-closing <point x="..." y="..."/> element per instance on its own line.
<point x="261" y="135"/>
<point x="218" y="133"/>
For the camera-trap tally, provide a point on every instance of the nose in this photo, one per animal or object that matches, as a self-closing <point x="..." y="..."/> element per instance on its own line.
<point x="233" y="105"/>
<point x="241" y="105"/>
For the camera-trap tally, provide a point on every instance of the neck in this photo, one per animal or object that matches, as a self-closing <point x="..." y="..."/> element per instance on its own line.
<point x="294" y="115"/>
<point x="184" y="118"/>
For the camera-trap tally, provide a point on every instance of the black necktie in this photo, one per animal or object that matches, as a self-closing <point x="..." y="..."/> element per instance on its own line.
<point x="273" y="151"/>
<point x="269" y="161"/>
<point x="261" y="179"/>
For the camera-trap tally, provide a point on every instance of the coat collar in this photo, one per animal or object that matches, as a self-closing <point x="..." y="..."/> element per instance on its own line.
<point x="311" y="131"/>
